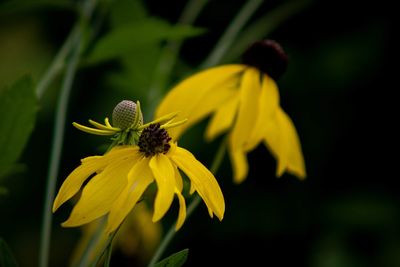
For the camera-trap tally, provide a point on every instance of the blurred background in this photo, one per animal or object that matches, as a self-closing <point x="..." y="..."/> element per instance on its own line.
<point x="339" y="90"/>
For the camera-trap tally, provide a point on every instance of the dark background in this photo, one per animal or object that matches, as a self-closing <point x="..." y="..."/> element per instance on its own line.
<point x="340" y="92"/>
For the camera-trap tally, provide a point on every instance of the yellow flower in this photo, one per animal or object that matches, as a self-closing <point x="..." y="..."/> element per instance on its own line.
<point x="245" y="102"/>
<point x="122" y="175"/>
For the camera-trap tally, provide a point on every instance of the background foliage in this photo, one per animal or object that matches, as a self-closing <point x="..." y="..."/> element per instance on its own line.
<point x="338" y="91"/>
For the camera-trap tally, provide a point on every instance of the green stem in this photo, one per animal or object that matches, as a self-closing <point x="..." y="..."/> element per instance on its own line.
<point x="91" y="245"/>
<point x="58" y="131"/>
<point x="55" y="154"/>
<point x="57" y="65"/>
<point x="191" y="208"/>
<point x="168" y="56"/>
<point x="231" y="33"/>
<point x="108" y="255"/>
<point x="106" y="246"/>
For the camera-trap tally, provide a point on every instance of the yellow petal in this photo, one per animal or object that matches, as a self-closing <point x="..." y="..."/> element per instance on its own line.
<point x="198" y="95"/>
<point x="182" y="210"/>
<point x="139" y="178"/>
<point x="210" y="212"/>
<point x="164" y="175"/>
<point x="295" y="159"/>
<point x="268" y="107"/>
<point x="203" y="180"/>
<point x="223" y="118"/>
<point x="239" y="164"/>
<point x="178" y="179"/>
<point x="74" y="181"/>
<point x="192" y="188"/>
<point x="250" y="90"/>
<point x="283" y="141"/>
<point x="101" y="191"/>
<point x="89" y="166"/>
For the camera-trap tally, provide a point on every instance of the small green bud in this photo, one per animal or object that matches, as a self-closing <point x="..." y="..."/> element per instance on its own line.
<point x="125" y="115"/>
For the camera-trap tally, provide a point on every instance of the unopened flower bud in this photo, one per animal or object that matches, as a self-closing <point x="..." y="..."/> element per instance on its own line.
<point x="124" y="115"/>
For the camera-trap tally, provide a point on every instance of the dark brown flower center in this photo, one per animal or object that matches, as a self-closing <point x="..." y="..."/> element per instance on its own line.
<point x="267" y="56"/>
<point x="154" y="140"/>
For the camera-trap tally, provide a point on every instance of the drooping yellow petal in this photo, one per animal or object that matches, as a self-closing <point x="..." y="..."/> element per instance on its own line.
<point x="101" y="191"/>
<point x="90" y="165"/>
<point x="250" y="90"/>
<point x="210" y="102"/>
<point x="178" y="179"/>
<point x="164" y="174"/>
<point x="74" y="181"/>
<point x="223" y="118"/>
<point x="182" y="210"/>
<point x="192" y="188"/>
<point x="139" y="178"/>
<point x="268" y="107"/>
<point x="204" y="181"/>
<point x="239" y="164"/>
<point x="282" y="140"/>
<point x="198" y="95"/>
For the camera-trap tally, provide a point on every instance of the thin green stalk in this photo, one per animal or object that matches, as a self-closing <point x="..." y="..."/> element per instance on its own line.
<point x="55" y="154"/>
<point x="108" y="255"/>
<point x="57" y="65"/>
<point x="106" y="246"/>
<point x="231" y="33"/>
<point x="191" y="208"/>
<point x="169" y="54"/>
<point x="263" y="26"/>
<point x="58" y="130"/>
<point x="91" y="246"/>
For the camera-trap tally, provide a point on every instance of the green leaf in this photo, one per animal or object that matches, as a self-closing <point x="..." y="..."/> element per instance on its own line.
<point x="175" y="260"/>
<point x="6" y="257"/>
<point x="127" y="37"/>
<point x="18" y="113"/>
<point x="127" y="11"/>
<point x="11" y="169"/>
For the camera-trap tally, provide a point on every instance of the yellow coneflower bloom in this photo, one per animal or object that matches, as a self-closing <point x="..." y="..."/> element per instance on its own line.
<point x="122" y="175"/>
<point x="244" y="101"/>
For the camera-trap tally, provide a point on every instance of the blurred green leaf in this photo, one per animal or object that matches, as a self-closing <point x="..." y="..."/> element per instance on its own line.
<point x="138" y="66"/>
<point x="6" y="257"/>
<point x="263" y="26"/>
<point x="127" y="11"/>
<point x="175" y="260"/>
<point x="125" y="38"/>
<point x="18" y="111"/>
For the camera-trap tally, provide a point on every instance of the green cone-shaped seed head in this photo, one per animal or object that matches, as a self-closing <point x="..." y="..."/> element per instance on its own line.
<point x="127" y="114"/>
